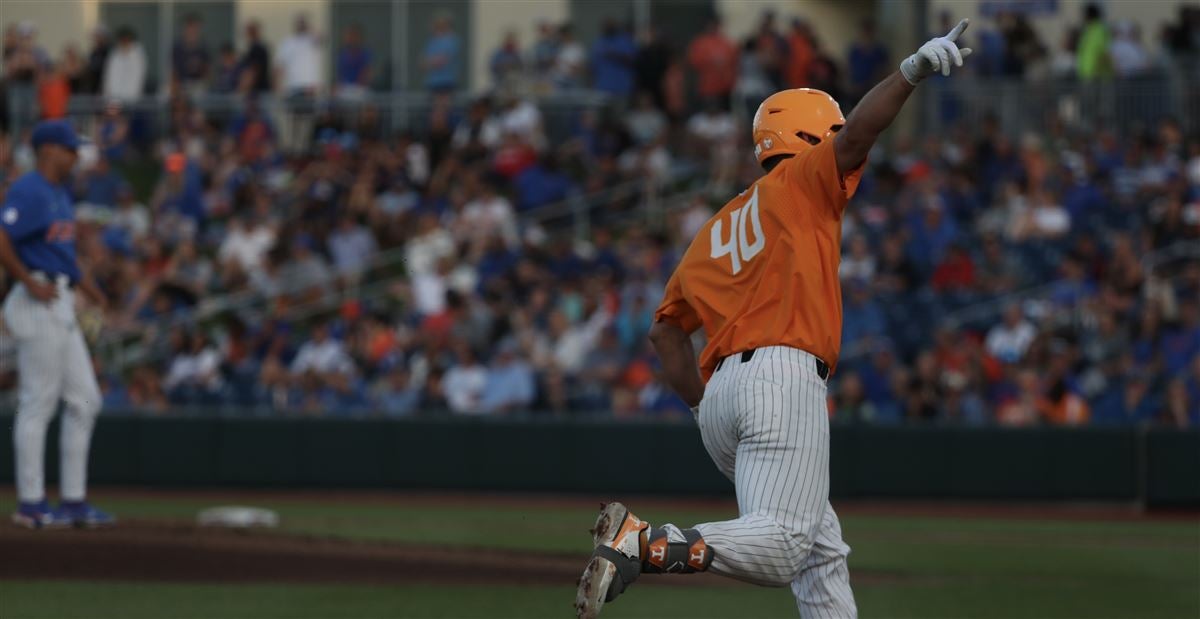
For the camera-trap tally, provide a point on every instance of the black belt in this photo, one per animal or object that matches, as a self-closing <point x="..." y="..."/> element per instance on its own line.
<point x="822" y="368"/>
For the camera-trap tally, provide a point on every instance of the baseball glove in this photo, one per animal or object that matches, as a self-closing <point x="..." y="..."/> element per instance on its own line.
<point x="91" y="323"/>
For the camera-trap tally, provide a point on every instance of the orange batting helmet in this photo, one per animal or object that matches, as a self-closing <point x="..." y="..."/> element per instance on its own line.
<point x="790" y="121"/>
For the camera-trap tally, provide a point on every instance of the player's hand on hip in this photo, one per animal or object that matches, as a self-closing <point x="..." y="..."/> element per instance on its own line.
<point x="42" y="291"/>
<point x="937" y="55"/>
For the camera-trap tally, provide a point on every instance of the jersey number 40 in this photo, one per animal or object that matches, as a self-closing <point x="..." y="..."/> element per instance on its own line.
<point x="738" y="247"/>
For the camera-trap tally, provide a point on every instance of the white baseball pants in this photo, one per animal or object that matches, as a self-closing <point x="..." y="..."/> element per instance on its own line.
<point x="53" y="364"/>
<point x="765" y="423"/>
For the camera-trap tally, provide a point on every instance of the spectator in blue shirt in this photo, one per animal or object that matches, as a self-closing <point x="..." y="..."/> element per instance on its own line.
<point x="495" y="263"/>
<point x="441" y="59"/>
<point x="180" y="194"/>
<point x="1084" y="199"/>
<point x="112" y="134"/>
<point x="506" y="60"/>
<point x="1074" y="285"/>
<point x="227" y="75"/>
<point x="612" y="61"/>
<point x="634" y="321"/>
<point x="932" y="234"/>
<point x="190" y="60"/>
<point x="1126" y="402"/>
<point x="101" y="185"/>
<point x="1181" y="342"/>
<point x="510" y="384"/>
<point x="540" y="184"/>
<point x="395" y="395"/>
<point x="659" y="401"/>
<point x="992" y="51"/>
<point x="1181" y="407"/>
<point x="545" y="51"/>
<point x="353" y="65"/>
<point x="863" y="318"/>
<point x="868" y="59"/>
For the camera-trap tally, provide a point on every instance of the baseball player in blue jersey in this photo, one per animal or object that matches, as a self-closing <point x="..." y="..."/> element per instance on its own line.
<point x="37" y="248"/>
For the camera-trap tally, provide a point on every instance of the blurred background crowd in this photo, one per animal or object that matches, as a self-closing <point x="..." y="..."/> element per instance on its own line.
<point x="294" y="252"/>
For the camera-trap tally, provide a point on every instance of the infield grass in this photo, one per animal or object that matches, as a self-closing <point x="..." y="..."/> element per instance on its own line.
<point x="902" y="566"/>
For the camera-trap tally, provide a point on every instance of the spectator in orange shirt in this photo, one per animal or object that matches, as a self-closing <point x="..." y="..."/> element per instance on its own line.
<point x="714" y="58"/>
<point x="53" y="93"/>
<point x="800" y="55"/>
<point x="1024" y="408"/>
<point x="1061" y="407"/>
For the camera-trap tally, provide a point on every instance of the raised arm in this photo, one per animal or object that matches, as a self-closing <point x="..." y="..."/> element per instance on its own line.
<point x="876" y="111"/>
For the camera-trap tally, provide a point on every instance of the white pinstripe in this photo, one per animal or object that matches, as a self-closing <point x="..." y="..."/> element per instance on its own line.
<point x="765" y="424"/>
<point x="53" y="364"/>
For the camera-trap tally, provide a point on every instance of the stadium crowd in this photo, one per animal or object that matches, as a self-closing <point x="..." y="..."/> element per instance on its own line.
<point x="486" y="312"/>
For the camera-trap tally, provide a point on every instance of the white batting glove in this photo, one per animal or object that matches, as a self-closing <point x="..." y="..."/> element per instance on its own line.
<point x="936" y="55"/>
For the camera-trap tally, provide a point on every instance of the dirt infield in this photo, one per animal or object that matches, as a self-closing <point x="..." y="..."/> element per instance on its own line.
<point x="149" y="551"/>
<point x="154" y="551"/>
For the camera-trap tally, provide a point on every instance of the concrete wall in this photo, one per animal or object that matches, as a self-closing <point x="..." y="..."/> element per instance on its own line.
<point x="492" y="19"/>
<point x="59" y="22"/>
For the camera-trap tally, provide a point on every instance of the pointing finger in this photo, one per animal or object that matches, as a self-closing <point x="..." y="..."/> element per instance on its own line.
<point x="962" y="25"/>
<point x="965" y="51"/>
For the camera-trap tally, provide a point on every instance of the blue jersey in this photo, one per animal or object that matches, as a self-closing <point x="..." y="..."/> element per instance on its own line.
<point x="40" y="222"/>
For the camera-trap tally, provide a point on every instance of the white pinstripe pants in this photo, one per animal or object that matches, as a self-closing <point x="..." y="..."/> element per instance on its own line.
<point x="53" y="364"/>
<point x="766" y="425"/>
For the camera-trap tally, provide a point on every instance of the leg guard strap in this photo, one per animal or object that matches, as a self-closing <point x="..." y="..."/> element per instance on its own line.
<point x="664" y="556"/>
<point x="628" y="570"/>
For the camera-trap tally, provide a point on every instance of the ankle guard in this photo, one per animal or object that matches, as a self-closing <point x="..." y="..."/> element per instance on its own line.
<point x="667" y="557"/>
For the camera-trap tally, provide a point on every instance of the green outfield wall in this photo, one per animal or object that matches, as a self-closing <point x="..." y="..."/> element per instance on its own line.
<point x="1156" y="467"/>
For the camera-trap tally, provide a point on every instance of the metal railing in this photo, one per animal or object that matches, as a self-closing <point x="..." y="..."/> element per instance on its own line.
<point x="396" y="111"/>
<point x="990" y="311"/>
<point x="1022" y="106"/>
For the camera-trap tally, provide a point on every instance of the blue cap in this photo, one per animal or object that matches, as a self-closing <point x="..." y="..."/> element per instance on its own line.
<point x="54" y="132"/>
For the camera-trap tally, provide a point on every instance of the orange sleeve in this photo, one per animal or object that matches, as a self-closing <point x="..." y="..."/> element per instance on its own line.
<point x="675" y="309"/>
<point x="814" y="173"/>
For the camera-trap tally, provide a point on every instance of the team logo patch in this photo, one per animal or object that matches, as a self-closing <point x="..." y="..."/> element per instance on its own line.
<point x="10" y="216"/>
<point x="764" y="145"/>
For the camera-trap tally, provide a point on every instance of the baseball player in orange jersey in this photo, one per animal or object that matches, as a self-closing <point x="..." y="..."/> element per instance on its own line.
<point x="761" y="279"/>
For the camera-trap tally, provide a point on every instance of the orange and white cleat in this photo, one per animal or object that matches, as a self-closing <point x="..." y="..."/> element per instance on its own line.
<point x="620" y="543"/>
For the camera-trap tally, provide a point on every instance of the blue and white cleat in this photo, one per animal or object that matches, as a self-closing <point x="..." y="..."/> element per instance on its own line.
<point x="82" y="515"/>
<point x="38" y="516"/>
